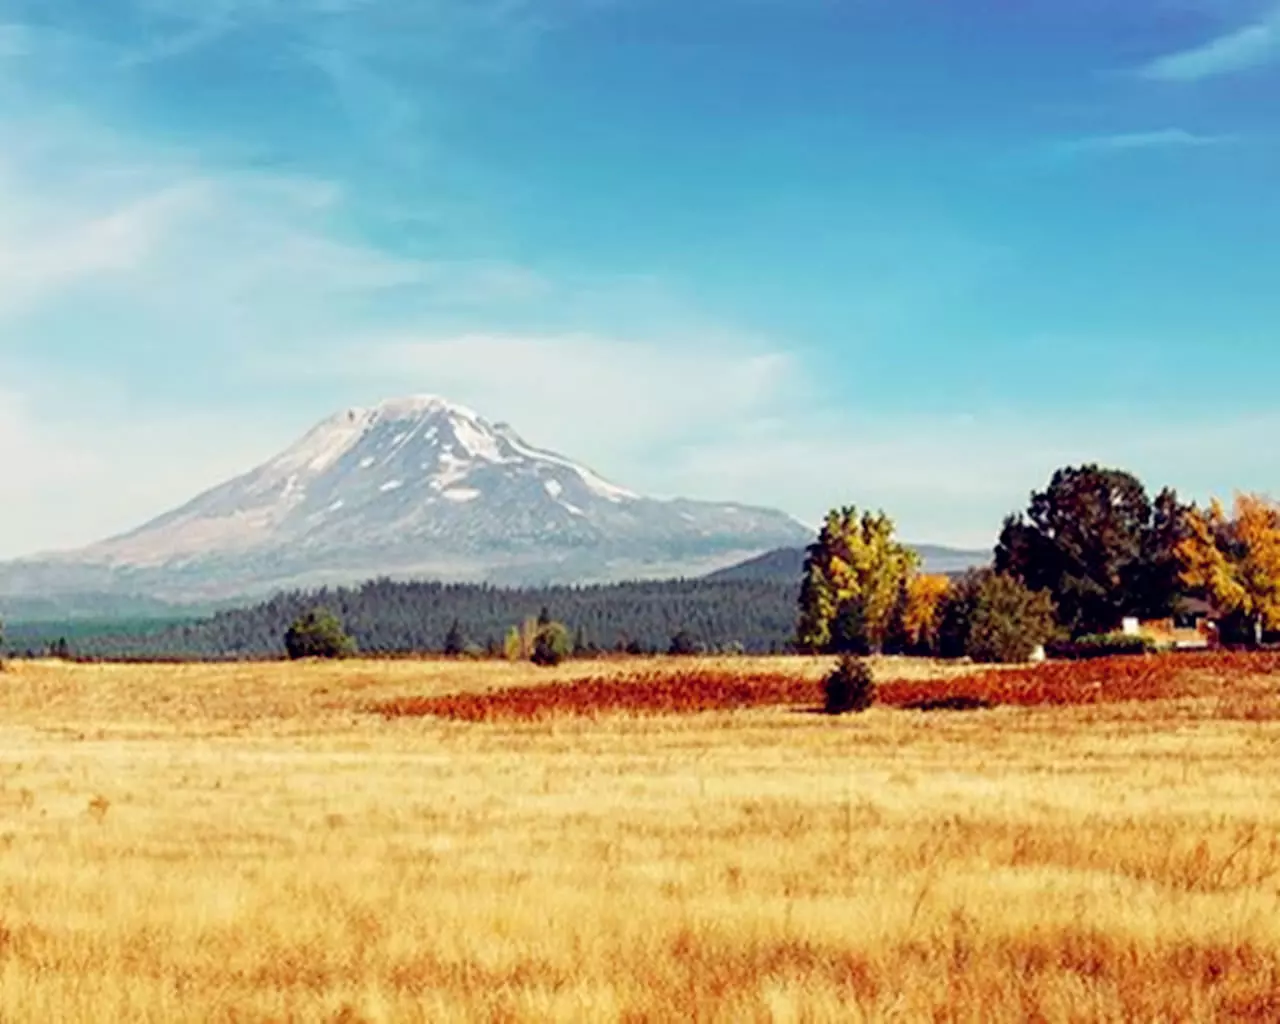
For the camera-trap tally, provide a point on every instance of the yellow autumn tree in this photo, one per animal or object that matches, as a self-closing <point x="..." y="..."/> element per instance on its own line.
<point x="854" y="574"/>
<point x="922" y="613"/>
<point x="1235" y="559"/>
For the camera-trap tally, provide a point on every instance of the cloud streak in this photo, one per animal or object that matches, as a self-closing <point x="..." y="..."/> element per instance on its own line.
<point x="1137" y="142"/>
<point x="1244" y="49"/>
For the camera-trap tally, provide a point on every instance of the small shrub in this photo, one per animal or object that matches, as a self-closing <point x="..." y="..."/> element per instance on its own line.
<point x="850" y="688"/>
<point x="552" y="644"/>
<point x="955" y="703"/>
<point x="1103" y="645"/>
<point x="318" y="634"/>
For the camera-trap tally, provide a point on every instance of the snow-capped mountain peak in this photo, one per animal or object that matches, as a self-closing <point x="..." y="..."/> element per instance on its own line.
<point x="427" y="487"/>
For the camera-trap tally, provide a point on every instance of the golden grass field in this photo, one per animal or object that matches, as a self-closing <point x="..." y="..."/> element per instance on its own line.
<point x="247" y="843"/>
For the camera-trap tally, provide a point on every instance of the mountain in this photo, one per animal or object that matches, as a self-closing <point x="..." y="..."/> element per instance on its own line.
<point x="787" y="564"/>
<point x="414" y="488"/>
<point x="780" y="564"/>
<point x="944" y="561"/>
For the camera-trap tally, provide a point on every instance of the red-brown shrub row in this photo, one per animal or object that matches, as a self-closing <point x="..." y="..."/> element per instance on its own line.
<point x="656" y="692"/>
<point x="648" y="693"/>
<point x="1103" y="681"/>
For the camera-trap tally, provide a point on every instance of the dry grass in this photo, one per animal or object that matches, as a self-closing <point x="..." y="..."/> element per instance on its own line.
<point x="241" y="843"/>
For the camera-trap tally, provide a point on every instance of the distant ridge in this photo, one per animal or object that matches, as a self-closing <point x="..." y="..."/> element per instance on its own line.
<point x="787" y="564"/>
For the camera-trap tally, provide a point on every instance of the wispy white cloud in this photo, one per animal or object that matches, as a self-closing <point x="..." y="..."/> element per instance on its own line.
<point x="171" y="235"/>
<point x="79" y="469"/>
<point x="475" y="33"/>
<point x="1131" y="142"/>
<point x="1242" y="49"/>
<point x="604" y="398"/>
<point x="44" y="257"/>
<point x="953" y="478"/>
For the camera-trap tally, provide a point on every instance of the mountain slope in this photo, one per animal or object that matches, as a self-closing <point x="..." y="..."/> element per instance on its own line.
<point x="787" y="564"/>
<point x="416" y="487"/>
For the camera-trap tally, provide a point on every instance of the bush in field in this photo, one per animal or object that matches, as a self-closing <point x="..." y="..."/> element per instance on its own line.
<point x="552" y="644"/>
<point x="318" y="634"/>
<point x="850" y="687"/>
<point x="1104" y="645"/>
<point x="1007" y="621"/>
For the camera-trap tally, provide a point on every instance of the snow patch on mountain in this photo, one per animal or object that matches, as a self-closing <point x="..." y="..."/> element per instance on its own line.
<point x="597" y="484"/>
<point x="476" y="442"/>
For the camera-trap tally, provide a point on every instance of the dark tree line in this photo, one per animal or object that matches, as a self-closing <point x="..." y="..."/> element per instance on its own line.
<point x="390" y="618"/>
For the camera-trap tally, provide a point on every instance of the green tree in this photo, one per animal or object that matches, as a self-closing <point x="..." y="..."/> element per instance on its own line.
<point x="854" y="574"/>
<point x="1158" y="584"/>
<point x="318" y="634"/>
<point x="583" y="644"/>
<point x="455" y="643"/>
<point x="1008" y="620"/>
<point x="957" y="613"/>
<point x="1095" y="542"/>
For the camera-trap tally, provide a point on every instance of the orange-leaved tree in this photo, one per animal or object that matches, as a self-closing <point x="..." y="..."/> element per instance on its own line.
<point x="1235" y="559"/>
<point x="926" y="598"/>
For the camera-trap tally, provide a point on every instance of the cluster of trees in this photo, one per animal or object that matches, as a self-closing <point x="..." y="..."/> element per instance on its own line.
<point x="319" y="633"/>
<point x="390" y="618"/>
<point x="1097" y="543"/>
<point x="1234" y="561"/>
<point x="1092" y="549"/>
<point x="1106" y="551"/>
<point x="863" y="593"/>
<point x="543" y="641"/>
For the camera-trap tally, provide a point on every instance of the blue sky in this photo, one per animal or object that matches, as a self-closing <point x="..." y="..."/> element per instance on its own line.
<point x="911" y="255"/>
